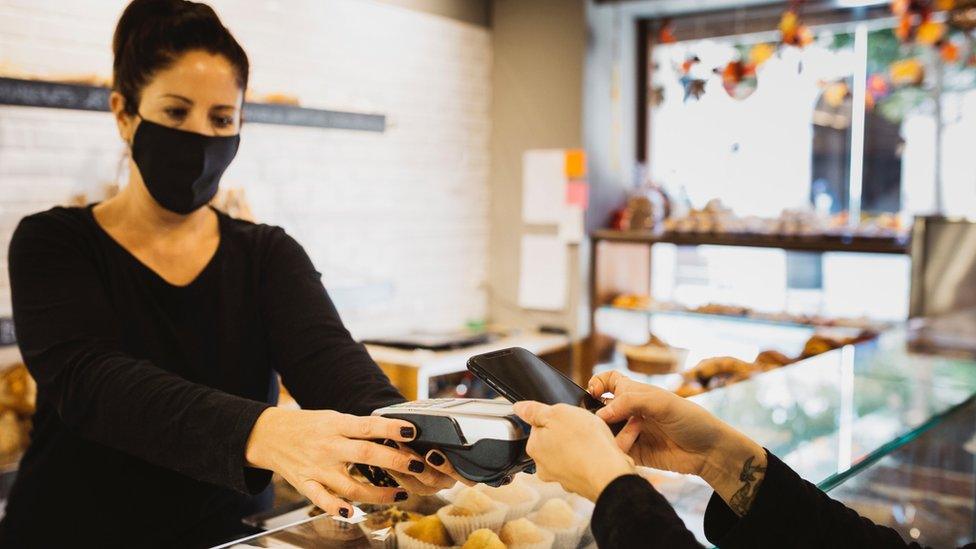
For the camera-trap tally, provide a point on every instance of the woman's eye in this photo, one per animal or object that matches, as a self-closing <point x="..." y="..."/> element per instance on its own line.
<point x="176" y="113"/>
<point x="223" y="121"/>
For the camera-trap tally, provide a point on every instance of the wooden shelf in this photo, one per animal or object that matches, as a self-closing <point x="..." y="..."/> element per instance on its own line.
<point x="56" y="95"/>
<point x="819" y="243"/>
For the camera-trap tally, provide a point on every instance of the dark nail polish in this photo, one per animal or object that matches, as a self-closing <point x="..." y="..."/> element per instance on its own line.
<point x="435" y="459"/>
<point x="390" y="443"/>
<point x="416" y="466"/>
<point x="407" y="432"/>
<point x="400" y="496"/>
<point x="506" y="480"/>
<point x="343" y="512"/>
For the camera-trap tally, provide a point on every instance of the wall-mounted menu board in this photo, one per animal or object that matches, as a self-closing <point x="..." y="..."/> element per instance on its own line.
<point x="56" y="95"/>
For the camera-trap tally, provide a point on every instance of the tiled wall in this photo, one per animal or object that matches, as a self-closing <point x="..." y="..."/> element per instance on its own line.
<point x="397" y="222"/>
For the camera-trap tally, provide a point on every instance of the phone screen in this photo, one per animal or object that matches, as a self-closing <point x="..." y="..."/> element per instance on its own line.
<point x="520" y="375"/>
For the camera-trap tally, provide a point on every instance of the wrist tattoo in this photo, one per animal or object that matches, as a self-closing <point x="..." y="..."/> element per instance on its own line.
<point x="750" y="476"/>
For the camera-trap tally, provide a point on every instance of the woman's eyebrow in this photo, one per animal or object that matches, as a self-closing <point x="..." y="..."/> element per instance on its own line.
<point x="180" y="97"/>
<point x="223" y="107"/>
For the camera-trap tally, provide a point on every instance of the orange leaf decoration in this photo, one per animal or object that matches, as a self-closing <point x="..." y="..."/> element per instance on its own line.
<point x="929" y="33"/>
<point x="908" y="72"/>
<point x="949" y="52"/>
<point x="760" y="53"/>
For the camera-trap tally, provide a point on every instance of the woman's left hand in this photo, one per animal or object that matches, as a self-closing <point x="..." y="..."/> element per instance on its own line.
<point x="573" y="447"/>
<point x="443" y="475"/>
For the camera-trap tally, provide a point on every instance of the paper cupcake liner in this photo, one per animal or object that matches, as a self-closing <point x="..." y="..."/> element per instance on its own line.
<point x="564" y="538"/>
<point x="520" y="510"/>
<point x="546" y="543"/>
<point x="460" y="527"/>
<point x="406" y="541"/>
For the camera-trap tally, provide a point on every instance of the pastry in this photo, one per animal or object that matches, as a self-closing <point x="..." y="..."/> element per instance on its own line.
<point x="555" y="513"/>
<point x="772" y="359"/>
<point x="472" y="510"/>
<point x="483" y="539"/>
<point x="558" y="517"/>
<point x="519" y="498"/>
<point x="652" y="358"/>
<point x="471" y="502"/>
<point x="523" y="534"/>
<point x="425" y="533"/>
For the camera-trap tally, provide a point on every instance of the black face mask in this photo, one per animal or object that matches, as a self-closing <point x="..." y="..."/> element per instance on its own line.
<point x="181" y="169"/>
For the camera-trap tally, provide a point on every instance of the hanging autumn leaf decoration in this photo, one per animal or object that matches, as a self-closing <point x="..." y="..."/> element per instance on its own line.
<point x="792" y="30"/>
<point x="694" y="87"/>
<point x="665" y="34"/>
<point x="738" y="79"/>
<point x="907" y="72"/>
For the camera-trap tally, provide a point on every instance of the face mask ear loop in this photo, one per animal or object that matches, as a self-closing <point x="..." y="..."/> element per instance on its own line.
<point x="123" y="164"/>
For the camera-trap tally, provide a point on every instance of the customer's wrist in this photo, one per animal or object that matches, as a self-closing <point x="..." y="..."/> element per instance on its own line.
<point x="602" y="476"/>
<point x="259" y="451"/>
<point x="735" y="469"/>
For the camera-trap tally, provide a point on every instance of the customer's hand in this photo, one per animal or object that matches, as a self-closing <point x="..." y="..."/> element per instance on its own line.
<point x="573" y="447"/>
<point x="665" y="431"/>
<point x="312" y="450"/>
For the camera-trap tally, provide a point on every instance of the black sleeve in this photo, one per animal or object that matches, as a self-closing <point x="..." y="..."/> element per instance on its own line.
<point x="319" y="362"/>
<point x="791" y="512"/>
<point x="631" y="513"/>
<point x="69" y="338"/>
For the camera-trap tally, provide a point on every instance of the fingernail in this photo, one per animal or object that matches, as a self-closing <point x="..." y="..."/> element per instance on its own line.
<point x="390" y="443"/>
<point x="343" y="512"/>
<point x="435" y="458"/>
<point x="416" y="466"/>
<point x="408" y="432"/>
<point x="506" y="480"/>
<point x="400" y="496"/>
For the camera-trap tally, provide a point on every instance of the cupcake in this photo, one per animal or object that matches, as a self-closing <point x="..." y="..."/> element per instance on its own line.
<point x="483" y="539"/>
<point x="426" y="533"/>
<point x="379" y="527"/>
<point x="520" y="498"/>
<point x="557" y="516"/>
<point x="472" y="510"/>
<point x="546" y="490"/>
<point x="523" y="534"/>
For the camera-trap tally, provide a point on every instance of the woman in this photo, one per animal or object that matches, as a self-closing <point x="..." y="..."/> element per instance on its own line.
<point x="155" y="327"/>
<point x="758" y="500"/>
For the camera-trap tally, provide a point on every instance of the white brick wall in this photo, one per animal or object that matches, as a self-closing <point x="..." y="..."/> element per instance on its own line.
<point x="397" y="222"/>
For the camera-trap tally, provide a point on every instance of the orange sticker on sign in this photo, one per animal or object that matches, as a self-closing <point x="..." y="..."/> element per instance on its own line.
<point x="575" y="163"/>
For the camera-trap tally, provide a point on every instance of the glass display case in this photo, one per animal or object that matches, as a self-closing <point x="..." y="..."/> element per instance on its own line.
<point x="850" y="418"/>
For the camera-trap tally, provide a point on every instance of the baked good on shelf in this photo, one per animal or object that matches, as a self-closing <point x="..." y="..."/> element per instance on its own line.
<point x="720" y="309"/>
<point x="770" y="359"/>
<point x="652" y="358"/>
<point x="424" y="533"/>
<point x="483" y="539"/>
<point x="719" y="371"/>
<point x="632" y="301"/>
<point x="18" y="391"/>
<point x="557" y="516"/>
<point x="689" y="389"/>
<point x="522" y="533"/>
<point x="471" y="510"/>
<point x="519" y="498"/>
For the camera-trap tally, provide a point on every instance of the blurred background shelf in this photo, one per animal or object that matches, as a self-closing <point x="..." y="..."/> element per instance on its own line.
<point x="58" y="95"/>
<point x="814" y="243"/>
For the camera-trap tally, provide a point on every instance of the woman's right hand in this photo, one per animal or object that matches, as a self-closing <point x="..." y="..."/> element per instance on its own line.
<point x="665" y="431"/>
<point x="312" y="449"/>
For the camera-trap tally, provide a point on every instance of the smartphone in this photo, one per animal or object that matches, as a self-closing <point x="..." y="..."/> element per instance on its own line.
<point x="518" y="374"/>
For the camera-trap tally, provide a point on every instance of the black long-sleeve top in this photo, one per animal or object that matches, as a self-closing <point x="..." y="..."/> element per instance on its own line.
<point x="787" y="512"/>
<point x="147" y="392"/>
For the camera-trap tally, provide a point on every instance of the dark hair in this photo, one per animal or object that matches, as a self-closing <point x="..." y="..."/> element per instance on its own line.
<point x="152" y="34"/>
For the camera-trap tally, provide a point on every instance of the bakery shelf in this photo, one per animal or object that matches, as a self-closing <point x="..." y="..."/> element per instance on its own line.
<point x="818" y="243"/>
<point x="58" y="95"/>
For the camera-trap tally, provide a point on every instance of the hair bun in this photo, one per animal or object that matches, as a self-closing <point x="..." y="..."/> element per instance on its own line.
<point x="140" y="13"/>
